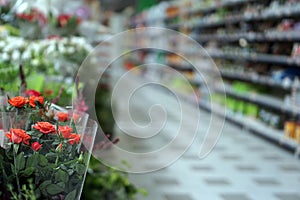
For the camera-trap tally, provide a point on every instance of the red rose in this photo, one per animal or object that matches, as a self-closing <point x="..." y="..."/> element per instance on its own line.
<point x="45" y="127"/>
<point x="61" y="116"/>
<point x="34" y="99"/>
<point x="74" y="139"/>
<point x="18" y="102"/>
<point x="63" y="20"/>
<point x="36" y="146"/>
<point x="17" y="136"/>
<point x="32" y="93"/>
<point x="65" y="131"/>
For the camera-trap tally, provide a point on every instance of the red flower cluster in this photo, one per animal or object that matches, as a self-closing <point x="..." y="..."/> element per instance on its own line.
<point x="45" y="127"/>
<point x="18" y="136"/>
<point x="74" y="139"/>
<point x="34" y="99"/>
<point x="29" y="93"/>
<point x="66" y="132"/>
<point x="33" y="16"/>
<point x="62" y="117"/>
<point x="27" y="17"/>
<point x="64" y="19"/>
<point x="20" y="102"/>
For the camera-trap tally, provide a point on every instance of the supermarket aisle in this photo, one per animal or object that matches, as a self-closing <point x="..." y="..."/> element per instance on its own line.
<point x="241" y="166"/>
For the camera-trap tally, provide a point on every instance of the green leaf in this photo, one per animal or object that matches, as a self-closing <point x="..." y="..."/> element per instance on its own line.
<point x="43" y="161"/>
<point x="37" y="194"/>
<point x="44" y="184"/>
<point x="20" y="161"/>
<point x="54" y="189"/>
<point x="80" y="169"/>
<point x="62" y="176"/>
<point x="61" y="185"/>
<point x="51" y="155"/>
<point x="28" y="171"/>
<point x="33" y="160"/>
<point x="71" y="195"/>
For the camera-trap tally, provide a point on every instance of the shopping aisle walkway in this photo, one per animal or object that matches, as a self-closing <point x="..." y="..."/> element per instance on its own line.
<point x="242" y="166"/>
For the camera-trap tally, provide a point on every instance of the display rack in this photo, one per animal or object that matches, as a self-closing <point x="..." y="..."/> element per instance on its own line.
<point x="232" y="31"/>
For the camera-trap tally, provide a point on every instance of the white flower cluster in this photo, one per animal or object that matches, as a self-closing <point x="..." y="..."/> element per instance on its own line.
<point x="17" y="50"/>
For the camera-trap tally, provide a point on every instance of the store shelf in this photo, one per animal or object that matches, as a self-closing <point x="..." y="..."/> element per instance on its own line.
<point x="283" y="12"/>
<point x="244" y="18"/>
<point x="260" y="23"/>
<point x="215" y="7"/>
<point x="274" y="36"/>
<point x="251" y="124"/>
<point x="259" y="99"/>
<point x="254" y="78"/>
<point x="261" y="58"/>
<point x="181" y="67"/>
<point x="191" y="11"/>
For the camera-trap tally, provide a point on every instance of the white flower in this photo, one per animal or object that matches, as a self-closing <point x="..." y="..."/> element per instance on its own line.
<point x="71" y="50"/>
<point x="26" y="55"/>
<point x="5" y="56"/>
<point x="50" y="49"/>
<point x="2" y="44"/>
<point x="35" y="62"/>
<point x="61" y="48"/>
<point x="16" y="55"/>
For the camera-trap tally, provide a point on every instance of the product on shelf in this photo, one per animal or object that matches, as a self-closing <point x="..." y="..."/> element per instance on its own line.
<point x="255" y="45"/>
<point x="290" y="129"/>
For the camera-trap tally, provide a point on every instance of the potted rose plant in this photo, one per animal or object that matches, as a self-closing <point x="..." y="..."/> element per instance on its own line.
<point x="45" y="153"/>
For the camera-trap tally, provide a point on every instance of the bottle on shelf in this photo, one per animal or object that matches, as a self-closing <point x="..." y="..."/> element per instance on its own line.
<point x="297" y="131"/>
<point x="290" y="127"/>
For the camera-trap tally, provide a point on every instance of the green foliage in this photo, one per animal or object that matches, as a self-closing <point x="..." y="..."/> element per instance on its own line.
<point x="107" y="183"/>
<point x="104" y="109"/>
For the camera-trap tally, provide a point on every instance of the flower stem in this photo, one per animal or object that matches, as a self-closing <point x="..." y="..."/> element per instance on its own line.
<point x="16" y="172"/>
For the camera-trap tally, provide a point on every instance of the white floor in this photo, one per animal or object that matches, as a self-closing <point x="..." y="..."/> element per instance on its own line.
<point x="242" y="166"/>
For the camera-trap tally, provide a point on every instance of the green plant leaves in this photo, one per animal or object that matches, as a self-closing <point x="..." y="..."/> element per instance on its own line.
<point x="32" y="161"/>
<point x="54" y="189"/>
<point x="71" y="195"/>
<point x="43" y="161"/>
<point x="62" y="176"/>
<point x="28" y="171"/>
<point x="20" y="161"/>
<point x="80" y="169"/>
<point x="44" y="185"/>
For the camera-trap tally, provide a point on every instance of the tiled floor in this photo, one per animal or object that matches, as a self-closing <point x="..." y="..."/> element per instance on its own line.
<point x="242" y="166"/>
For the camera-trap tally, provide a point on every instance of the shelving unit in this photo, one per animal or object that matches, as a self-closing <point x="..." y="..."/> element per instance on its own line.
<point x="252" y="42"/>
<point x="260" y="58"/>
<point x="261" y="100"/>
<point x="274" y="36"/>
<point x="254" y="78"/>
<point x="269" y="133"/>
